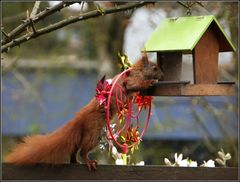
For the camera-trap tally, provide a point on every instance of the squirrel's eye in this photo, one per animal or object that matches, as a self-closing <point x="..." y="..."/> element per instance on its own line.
<point x="155" y="68"/>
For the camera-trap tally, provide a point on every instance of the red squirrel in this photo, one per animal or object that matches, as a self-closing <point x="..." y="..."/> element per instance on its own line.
<point x="83" y="131"/>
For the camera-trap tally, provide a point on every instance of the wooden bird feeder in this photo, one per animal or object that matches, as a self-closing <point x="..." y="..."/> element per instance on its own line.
<point x="201" y="36"/>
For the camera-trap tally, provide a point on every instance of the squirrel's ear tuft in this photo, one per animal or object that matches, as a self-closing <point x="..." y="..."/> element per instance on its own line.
<point x="145" y="58"/>
<point x="103" y="78"/>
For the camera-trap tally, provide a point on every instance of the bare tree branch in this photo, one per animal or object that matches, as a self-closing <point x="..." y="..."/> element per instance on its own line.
<point x="70" y="20"/>
<point x="40" y="16"/>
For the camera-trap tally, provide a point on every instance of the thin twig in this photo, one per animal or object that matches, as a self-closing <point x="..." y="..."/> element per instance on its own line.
<point x="188" y="5"/>
<point x="70" y="20"/>
<point x="191" y="4"/>
<point x="35" y="9"/>
<point x="181" y="3"/>
<point x="200" y="4"/>
<point x="27" y="19"/>
<point x="40" y="16"/>
<point x="5" y="34"/>
<point x="33" y="27"/>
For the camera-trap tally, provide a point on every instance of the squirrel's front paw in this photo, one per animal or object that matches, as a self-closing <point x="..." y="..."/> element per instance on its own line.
<point x="92" y="165"/>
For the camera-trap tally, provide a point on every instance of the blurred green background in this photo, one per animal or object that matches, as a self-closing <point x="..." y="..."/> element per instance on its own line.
<point x="48" y="79"/>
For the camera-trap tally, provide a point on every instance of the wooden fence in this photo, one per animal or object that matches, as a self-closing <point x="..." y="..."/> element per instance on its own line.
<point x="114" y="172"/>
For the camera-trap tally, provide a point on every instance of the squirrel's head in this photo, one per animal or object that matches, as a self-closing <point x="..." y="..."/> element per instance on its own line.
<point x="150" y="70"/>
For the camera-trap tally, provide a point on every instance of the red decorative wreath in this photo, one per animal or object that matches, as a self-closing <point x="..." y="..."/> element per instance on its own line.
<point x="126" y="131"/>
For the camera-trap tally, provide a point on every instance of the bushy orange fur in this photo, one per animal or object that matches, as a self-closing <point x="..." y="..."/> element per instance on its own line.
<point x="83" y="131"/>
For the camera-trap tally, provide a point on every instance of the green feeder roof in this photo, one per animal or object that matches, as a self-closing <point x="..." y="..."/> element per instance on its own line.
<point x="183" y="33"/>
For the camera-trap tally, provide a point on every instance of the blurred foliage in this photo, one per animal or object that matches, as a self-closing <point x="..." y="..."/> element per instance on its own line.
<point x="35" y="128"/>
<point x="97" y="38"/>
<point x="152" y="152"/>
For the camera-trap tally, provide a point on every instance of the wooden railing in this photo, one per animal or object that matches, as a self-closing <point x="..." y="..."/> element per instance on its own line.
<point x="114" y="172"/>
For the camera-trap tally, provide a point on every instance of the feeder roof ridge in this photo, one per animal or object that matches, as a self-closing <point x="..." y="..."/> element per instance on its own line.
<point x="183" y="33"/>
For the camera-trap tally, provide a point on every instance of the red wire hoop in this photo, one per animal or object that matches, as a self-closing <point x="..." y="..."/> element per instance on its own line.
<point x="129" y="115"/>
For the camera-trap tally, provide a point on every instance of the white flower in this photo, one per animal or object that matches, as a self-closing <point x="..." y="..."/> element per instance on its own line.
<point x="178" y="158"/>
<point x="192" y="164"/>
<point x="221" y="154"/>
<point x="209" y="163"/>
<point x="220" y="162"/>
<point x="223" y="158"/>
<point x="183" y="163"/>
<point x="167" y="162"/>
<point x="119" y="162"/>
<point x="141" y="163"/>
<point x="115" y="153"/>
<point x="179" y="161"/>
<point x="228" y="156"/>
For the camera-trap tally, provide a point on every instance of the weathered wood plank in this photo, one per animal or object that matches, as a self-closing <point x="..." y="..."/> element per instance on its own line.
<point x="205" y="59"/>
<point x="113" y="172"/>
<point x="171" y="83"/>
<point x="192" y="90"/>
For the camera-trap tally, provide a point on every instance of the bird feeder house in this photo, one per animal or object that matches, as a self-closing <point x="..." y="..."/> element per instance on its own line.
<point x="203" y="38"/>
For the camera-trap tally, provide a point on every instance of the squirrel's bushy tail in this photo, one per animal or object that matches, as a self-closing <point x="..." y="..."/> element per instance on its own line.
<point x="52" y="148"/>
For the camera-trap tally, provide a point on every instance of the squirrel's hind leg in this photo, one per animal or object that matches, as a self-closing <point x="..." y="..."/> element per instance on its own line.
<point x="91" y="164"/>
